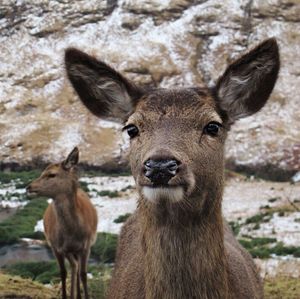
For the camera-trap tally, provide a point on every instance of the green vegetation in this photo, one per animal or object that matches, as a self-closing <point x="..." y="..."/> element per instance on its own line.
<point x="21" y="224"/>
<point x="264" y="247"/>
<point x="43" y="272"/>
<point x="235" y="226"/>
<point x="104" y="250"/>
<point x="111" y="194"/>
<point x="282" y="288"/>
<point x="99" y="173"/>
<point x="48" y="272"/>
<point x="273" y="199"/>
<point x="23" y="178"/>
<point x="127" y="188"/>
<point x="84" y="186"/>
<point x="19" y="288"/>
<point x="122" y="218"/>
<point x="258" y="218"/>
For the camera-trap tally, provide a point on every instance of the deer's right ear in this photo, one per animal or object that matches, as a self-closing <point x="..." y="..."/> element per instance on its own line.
<point x="72" y="159"/>
<point x="104" y="91"/>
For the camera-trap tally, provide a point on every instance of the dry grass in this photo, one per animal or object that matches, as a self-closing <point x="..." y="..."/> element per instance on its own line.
<point x="282" y="288"/>
<point x="16" y="287"/>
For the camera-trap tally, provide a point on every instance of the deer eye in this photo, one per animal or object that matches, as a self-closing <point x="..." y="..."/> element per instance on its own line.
<point x="132" y="130"/>
<point x="51" y="175"/>
<point x="212" y="128"/>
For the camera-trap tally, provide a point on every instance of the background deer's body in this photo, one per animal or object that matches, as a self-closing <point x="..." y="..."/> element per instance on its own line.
<point x="70" y="221"/>
<point x="176" y="245"/>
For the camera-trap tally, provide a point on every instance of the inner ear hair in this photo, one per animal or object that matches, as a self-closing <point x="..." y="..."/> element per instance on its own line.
<point x="247" y="83"/>
<point x="103" y="90"/>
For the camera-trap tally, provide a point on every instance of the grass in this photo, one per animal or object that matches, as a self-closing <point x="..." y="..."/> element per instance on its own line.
<point x="19" y="288"/>
<point x="282" y="288"/>
<point x="122" y="218"/>
<point x="104" y="250"/>
<point x="43" y="272"/>
<point x="21" y="224"/>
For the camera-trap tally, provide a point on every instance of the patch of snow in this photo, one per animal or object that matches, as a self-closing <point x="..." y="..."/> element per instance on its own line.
<point x="284" y="228"/>
<point x="39" y="227"/>
<point x="108" y="183"/>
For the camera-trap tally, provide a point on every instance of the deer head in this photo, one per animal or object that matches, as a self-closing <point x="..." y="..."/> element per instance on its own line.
<point x="177" y="136"/>
<point x="57" y="179"/>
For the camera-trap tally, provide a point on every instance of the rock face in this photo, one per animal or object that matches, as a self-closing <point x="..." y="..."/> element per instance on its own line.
<point x="162" y="43"/>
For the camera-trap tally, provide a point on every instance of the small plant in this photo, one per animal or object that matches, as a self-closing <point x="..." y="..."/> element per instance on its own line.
<point x="235" y="226"/>
<point x="122" y="218"/>
<point x="127" y="188"/>
<point x="111" y="194"/>
<point x="273" y="199"/>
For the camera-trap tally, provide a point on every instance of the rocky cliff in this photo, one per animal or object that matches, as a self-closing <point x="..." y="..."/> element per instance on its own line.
<point x="160" y="42"/>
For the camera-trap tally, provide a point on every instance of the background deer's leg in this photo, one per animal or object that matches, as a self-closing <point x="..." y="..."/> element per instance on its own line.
<point x="83" y="271"/>
<point x="74" y="268"/>
<point x="63" y="272"/>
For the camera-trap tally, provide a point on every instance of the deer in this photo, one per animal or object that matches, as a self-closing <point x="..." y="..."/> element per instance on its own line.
<point x="70" y="221"/>
<point x="176" y="244"/>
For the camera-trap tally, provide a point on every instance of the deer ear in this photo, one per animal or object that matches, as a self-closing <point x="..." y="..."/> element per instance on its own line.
<point x="104" y="91"/>
<point x="247" y="83"/>
<point x="72" y="159"/>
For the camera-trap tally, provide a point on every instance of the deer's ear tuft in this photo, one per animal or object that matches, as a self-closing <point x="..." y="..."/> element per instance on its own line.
<point x="247" y="83"/>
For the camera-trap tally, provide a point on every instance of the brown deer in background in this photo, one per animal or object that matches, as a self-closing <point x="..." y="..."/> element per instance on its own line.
<point x="70" y="221"/>
<point x="176" y="244"/>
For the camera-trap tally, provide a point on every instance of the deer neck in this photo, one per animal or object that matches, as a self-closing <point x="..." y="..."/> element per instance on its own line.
<point x="184" y="253"/>
<point x="65" y="208"/>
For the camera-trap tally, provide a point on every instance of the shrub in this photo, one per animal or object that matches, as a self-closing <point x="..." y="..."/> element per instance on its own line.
<point x="44" y="272"/>
<point x="104" y="250"/>
<point x="21" y="224"/>
<point x="122" y="218"/>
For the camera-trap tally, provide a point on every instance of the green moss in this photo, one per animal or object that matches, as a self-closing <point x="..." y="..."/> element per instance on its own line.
<point x="104" y="250"/>
<point x="21" y="224"/>
<point x="122" y="218"/>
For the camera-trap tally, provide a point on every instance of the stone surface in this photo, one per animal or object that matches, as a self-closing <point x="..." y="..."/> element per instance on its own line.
<point x="161" y="43"/>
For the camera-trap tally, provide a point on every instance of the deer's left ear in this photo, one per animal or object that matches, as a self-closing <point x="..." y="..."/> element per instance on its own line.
<point x="72" y="159"/>
<point x="103" y="90"/>
<point x="247" y="84"/>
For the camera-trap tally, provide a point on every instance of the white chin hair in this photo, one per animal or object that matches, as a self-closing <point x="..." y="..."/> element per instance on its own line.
<point x="174" y="194"/>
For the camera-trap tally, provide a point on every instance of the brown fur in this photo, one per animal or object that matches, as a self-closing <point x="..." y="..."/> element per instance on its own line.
<point x="70" y="221"/>
<point x="176" y="245"/>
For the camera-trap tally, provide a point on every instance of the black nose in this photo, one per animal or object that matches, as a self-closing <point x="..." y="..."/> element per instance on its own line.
<point x="161" y="171"/>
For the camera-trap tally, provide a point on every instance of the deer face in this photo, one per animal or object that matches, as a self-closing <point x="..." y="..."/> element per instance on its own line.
<point x="177" y="135"/>
<point x="177" y="139"/>
<point x="56" y="179"/>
